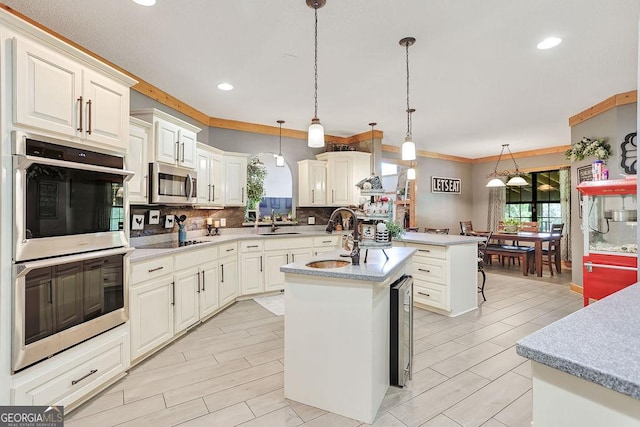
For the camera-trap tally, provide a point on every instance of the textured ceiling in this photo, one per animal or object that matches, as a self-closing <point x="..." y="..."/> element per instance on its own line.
<point x="477" y="79"/>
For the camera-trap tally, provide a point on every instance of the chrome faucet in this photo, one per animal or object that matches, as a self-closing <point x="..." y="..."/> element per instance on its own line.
<point x="355" y="252"/>
<point x="273" y="221"/>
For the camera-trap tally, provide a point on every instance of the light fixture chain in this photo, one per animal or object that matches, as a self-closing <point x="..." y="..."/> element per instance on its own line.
<point x="408" y="108"/>
<point x="315" y="65"/>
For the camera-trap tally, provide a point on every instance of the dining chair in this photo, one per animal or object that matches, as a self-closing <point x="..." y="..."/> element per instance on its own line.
<point x="416" y="229"/>
<point x="551" y="253"/>
<point x="482" y="255"/>
<point x="466" y="228"/>
<point x="436" y="230"/>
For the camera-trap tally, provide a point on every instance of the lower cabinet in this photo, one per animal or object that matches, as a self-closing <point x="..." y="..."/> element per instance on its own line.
<point x="186" y="300"/>
<point x="328" y="243"/>
<point x="252" y="270"/>
<point x="151" y="315"/>
<point x="274" y="259"/>
<point x="228" y="279"/>
<point x="209" y="300"/>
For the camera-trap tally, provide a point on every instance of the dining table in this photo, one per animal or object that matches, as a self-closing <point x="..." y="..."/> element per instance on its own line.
<point x="523" y="236"/>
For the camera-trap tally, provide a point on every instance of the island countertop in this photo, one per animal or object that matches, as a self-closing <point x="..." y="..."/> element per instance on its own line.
<point x="376" y="269"/>
<point x="438" y="239"/>
<point x="599" y="343"/>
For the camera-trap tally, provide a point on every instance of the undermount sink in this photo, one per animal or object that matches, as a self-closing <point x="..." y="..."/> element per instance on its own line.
<point x="279" y="234"/>
<point x="328" y="263"/>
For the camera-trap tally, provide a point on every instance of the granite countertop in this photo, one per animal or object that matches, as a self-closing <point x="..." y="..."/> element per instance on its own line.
<point x="376" y="269"/>
<point x="438" y="239"/>
<point x="599" y="343"/>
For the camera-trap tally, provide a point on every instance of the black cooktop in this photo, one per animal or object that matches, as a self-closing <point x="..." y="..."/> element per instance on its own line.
<point x="170" y="245"/>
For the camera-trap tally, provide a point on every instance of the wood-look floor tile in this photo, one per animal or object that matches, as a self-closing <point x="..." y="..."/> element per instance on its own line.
<point x="244" y="392"/>
<point x="100" y="403"/>
<point x="524" y="369"/>
<point x="436" y="400"/>
<point x="421" y="345"/>
<point x="271" y="326"/>
<point x="488" y="401"/>
<point x="243" y="326"/>
<point x="268" y="402"/>
<point x="537" y="311"/>
<point x="233" y="322"/>
<point x="306" y="412"/>
<point x="492" y="422"/>
<point x="436" y="354"/>
<point x="509" y="338"/>
<point x="137" y="378"/>
<point x="187" y="343"/>
<point x="509" y="311"/>
<point x="202" y="350"/>
<point x="519" y="413"/>
<point x="332" y="420"/>
<point x="452" y="333"/>
<point x="421" y="382"/>
<point x="166" y="384"/>
<point x="161" y="360"/>
<point x="386" y="420"/>
<point x="120" y="414"/>
<point x="249" y="350"/>
<point x="265" y="356"/>
<point x="483" y="334"/>
<point x="227" y="417"/>
<point x="285" y="417"/>
<point x="467" y="358"/>
<point x="498" y="365"/>
<point x="209" y="386"/>
<point x="440" y="421"/>
<point x="170" y="416"/>
<point x="559" y="313"/>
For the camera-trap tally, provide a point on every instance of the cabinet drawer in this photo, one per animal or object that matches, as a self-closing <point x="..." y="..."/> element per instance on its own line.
<point x="326" y="241"/>
<point x="227" y="249"/>
<point x="429" y="251"/>
<point x="73" y="374"/>
<point x="432" y="270"/>
<point x="193" y="258"/>
<point x="434" y="296"/>
<point x="150" y="269"/>
<point x="286" y="244"/>
<point x="251" y="246"/>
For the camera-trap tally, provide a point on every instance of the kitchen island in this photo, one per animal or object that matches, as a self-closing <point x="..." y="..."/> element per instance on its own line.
<point x="337" y="332"/>
<point x="585" y="366"/>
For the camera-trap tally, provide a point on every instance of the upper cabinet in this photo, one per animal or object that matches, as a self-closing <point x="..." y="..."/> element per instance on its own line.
<point x="312" y="185"/>
<point x="209" y="165"/>
<point x="58" y="93"/>
<point x="235" y="179"/>
<point x="344" y="170"/>
<point x="173" y="141"/>
<point x="136" y="160"/>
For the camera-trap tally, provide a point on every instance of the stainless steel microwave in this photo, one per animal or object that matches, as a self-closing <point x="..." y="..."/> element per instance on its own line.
<point x="170" y="185"/>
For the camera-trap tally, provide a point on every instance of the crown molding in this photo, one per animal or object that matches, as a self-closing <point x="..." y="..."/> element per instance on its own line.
<point x="614" y="101"/>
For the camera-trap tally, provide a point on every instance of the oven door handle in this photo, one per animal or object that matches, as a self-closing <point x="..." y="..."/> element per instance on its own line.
<point x="23" y="162"/>
<point x="24" y="268"/>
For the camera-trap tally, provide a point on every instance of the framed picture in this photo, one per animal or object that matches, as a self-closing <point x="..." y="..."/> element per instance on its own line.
<point x="252" y="215"/>
<point x="368" y="231"/>
<point x="585" y="174"/>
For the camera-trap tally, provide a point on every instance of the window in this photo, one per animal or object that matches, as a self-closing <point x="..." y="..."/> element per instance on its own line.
<point x="539" y="201"/>
<point x="389" y="169"/>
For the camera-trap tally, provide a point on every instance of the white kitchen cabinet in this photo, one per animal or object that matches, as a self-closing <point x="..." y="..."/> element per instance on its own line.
<point x="279" y="252"/>
<point x="56" y="92"/>
<point x="209" y="165"/>
<point x="328" y="243"/>
<point x="344" y="171"/>
<point x="252" y="271"/>
<point x="136" y="160"/>
<point x="186" y="301"/>
<point x="235" y="179"/>
<point x="173" y="140"/>
<point x="312" y="183"/>
<point x="209" y="295"/>
<point x="228" y="272"/>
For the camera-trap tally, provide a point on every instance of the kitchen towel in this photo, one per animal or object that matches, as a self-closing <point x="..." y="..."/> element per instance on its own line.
<point x="273" y="303"/>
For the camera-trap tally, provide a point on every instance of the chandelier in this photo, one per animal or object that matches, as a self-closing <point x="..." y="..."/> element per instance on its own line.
<point x="495" y="176"/>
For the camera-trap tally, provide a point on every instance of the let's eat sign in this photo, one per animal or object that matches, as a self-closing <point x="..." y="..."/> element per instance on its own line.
<point x="440" y="184"/>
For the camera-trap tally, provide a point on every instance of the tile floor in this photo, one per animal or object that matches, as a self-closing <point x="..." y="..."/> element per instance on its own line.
<point x="229" y="371"/>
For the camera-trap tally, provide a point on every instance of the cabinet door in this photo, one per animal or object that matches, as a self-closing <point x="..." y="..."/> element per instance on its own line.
<point x="67" y="295"/>
<point x="187" y="149"/>
<point x="318" y="181"/>
<point x="339" y="181"/>
<point x="204" y="184"/>
<point x="136" y="161"/>
<point x="38" y="305"/>
<point x="151" y="315"/>
<point x="274" y="278"/>
<point x="300" y="255"/>
<point x="106" y="115"/>
<point x="235" y="180"/>
<point x="47" y="89"/>
<point x="252" y="274"/>
<point x="187" y="303"/>
<point x="216" y="179"/>
<point x="228" y="280"/>
<point x="166" y="142"/>
<point x="93" y="287"/>
<point x="209" y="301"/>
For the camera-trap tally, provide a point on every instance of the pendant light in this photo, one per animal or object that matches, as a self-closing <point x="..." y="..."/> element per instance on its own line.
<point x="373" y="160"/>
<point x="280" y="157"/>
<point x="515" y="181"/>
<point x="408" y="147"/>
<point x="411" y="173"/>
<point x="316" y="130"/>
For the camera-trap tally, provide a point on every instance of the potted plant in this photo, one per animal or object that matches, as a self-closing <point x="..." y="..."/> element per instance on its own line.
<point x="395" y="230"/>
<point x="511" y="225"/>
<point x="256" y="172"/>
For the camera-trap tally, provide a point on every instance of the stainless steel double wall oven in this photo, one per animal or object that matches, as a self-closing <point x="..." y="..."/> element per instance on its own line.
<point x="70" y="246"/>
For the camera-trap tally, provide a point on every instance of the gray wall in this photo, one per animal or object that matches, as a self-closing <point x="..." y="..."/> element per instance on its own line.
<point x="614" y="125"/>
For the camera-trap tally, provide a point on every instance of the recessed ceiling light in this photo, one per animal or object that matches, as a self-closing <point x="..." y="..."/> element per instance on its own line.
<point x="145" y="2"/>
<point x="225" y="86"/>
<point x="549" y="42"/>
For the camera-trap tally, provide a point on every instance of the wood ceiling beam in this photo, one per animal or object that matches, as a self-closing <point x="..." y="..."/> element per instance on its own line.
<point x="606" y="105"/>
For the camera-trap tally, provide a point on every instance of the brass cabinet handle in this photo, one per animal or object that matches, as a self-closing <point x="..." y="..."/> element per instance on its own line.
<point x="91" y="372"/>
<point x="89" y="114"/>
<point x="79" y="129"/>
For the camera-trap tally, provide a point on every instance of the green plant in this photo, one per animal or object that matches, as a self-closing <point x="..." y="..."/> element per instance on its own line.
<point x="586" y="147"/>
<point x="395" y="230"/>
<point x="256" y="172"/>
<point x="512" y="221"/>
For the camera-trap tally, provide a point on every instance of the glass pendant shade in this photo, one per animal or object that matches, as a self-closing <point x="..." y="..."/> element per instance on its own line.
<point x="411" y="173"/>
<point x="280" y="160"/>
<point x="495" y="183"/>
<point x="316" y="134"/>
<point x="408" y="149"/>
<point x="517" y="181"/>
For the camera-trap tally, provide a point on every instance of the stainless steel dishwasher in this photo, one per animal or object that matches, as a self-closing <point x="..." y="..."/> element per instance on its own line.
<point x="401" y="348"/>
